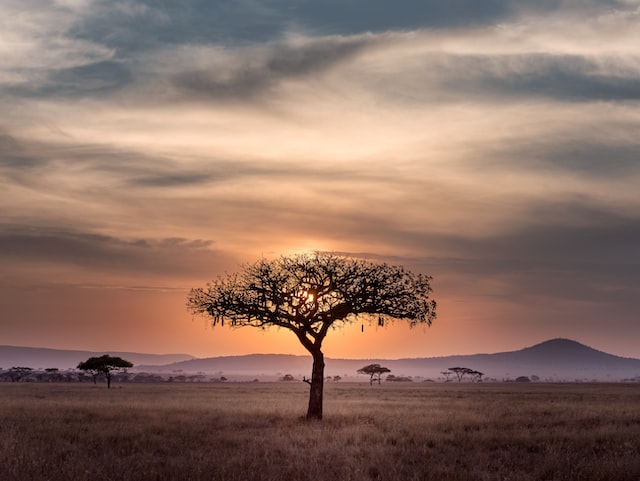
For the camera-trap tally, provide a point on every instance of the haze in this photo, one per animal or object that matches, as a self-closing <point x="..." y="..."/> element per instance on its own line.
<point x="146" y="148"/>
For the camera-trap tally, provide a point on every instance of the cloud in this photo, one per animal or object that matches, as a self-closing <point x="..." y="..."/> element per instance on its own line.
<point x="336" y="16"/>
<point x="139" y="26"/>
<point x="36" y="38"/>
<point x="561" y="77"/>
<point x="97" y="78"/>
<point x="12" y="155"/>
<point x="219" y="50"/>
<point x="607" y="158"/>
<point x="107" y="257"/>
<point x="243" y="73"/>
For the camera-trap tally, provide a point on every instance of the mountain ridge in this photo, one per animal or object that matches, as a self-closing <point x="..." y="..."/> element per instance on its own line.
<point x="44" y="357"/>
<point x="557" y="359"/>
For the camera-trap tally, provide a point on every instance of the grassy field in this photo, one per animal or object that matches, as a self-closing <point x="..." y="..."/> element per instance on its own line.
<point x="256" y="432"/>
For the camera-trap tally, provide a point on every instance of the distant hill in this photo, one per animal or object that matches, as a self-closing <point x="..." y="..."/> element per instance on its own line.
<point x="251" y="364"/>
<point x="37" y="357"/>
<point x="554" y="360"/>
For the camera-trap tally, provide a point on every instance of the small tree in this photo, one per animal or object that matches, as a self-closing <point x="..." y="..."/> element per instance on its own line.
<point x="374" y="371"/>
<point x="461" y="372"/>
<point x="309" y="294"/>
<point x="104" y="365"/>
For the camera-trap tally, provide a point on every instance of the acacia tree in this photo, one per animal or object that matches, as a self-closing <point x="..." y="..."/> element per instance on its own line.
<point x="374" y="371"/>
<point x="462" y="371"/>
<point x="104" y="365"/>
<point x="309" y="294"/>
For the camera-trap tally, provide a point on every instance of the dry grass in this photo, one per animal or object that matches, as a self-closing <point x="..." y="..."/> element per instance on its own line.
<point x="256" y="432"/>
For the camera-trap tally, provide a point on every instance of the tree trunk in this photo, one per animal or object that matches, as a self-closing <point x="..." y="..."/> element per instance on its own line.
<point x="317" y="386"/>
<point x="108" y="381"/>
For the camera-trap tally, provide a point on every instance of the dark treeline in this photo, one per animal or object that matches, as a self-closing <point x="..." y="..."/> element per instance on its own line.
<point x="27" y="374"/>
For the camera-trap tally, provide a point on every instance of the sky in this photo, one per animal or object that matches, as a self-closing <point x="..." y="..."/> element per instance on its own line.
<point x="148" y="147"/>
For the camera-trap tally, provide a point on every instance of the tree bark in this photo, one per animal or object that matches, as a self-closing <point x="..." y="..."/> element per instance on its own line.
<point x="317" y="386"/>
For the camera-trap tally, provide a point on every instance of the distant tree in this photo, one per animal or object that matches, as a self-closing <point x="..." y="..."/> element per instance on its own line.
<point x="447" y="375"/>
<point x="374" y="371"/>
<point x="287" y="378"/>
<point x="337" y="378"/>
<point x="104" y="365"/>
<point x="309" y="294"/>
<point x="17" y="373"/>
<point x="461" y="372"/>
<point x="147" y="377"/>
<point x="392" y="378"/>
<point x="523" y="379"/>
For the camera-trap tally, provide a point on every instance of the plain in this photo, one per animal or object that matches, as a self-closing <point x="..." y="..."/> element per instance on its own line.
<point x="256" y="431"/>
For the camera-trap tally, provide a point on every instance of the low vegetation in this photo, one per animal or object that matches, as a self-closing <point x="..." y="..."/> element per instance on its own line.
<point x="257" y="431"/>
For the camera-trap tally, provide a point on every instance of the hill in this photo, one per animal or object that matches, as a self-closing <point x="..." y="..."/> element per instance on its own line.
<point x="37" y="357"/>
<point x="553" y="360"/>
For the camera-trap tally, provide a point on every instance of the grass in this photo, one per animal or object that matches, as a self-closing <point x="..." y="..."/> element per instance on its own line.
<point x="256" y="432"/>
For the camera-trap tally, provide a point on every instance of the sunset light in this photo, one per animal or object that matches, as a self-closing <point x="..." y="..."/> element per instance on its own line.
<point x="319" y="240"/>
<point x="147" y="148"/>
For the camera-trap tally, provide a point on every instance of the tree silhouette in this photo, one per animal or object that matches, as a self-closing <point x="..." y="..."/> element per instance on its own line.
<point x="104" y="365"/>
<point x="461" y="372"/>
<point x="447" y="375"/>
<point x="19" y="372"/>
<point x="309" y="294"/>
<point x="374" y="371"/>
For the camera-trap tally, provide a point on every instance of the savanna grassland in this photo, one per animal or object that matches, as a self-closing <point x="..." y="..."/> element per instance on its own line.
<point x="255" y="432"/>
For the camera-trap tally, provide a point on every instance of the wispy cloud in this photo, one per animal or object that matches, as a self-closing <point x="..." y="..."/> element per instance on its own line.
<point x="48" y="249"/>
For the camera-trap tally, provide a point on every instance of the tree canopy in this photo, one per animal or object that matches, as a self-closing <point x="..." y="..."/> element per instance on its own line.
<point x="104" y="365"/>
<point x="309" y="294"/>
<point x="375" y="371"/>
<point x="462" y="371"/>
